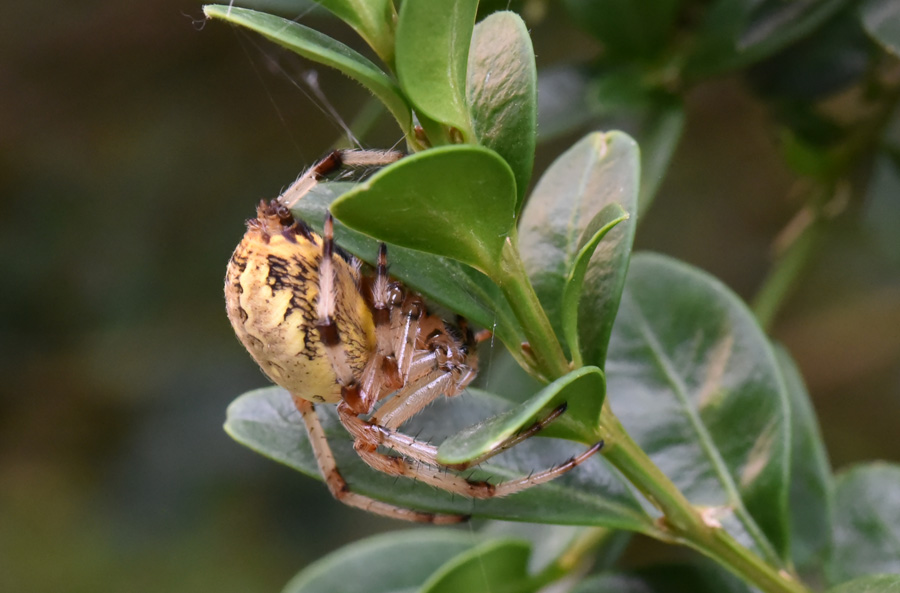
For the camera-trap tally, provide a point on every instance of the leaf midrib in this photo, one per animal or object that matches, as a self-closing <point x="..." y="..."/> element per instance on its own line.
<point x="709" y="448"/>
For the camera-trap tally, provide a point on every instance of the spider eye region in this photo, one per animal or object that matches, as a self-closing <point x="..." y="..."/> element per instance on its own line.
<point x="271" y="296"/>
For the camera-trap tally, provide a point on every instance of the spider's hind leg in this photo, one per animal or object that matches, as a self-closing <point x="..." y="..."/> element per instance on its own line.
<point x="338" y="486"/>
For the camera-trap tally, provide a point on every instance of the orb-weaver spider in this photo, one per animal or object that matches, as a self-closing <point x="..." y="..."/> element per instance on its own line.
<point x="327" y="334"/>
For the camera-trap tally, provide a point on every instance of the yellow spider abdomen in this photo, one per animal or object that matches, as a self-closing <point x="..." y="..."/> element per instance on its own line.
<point x="271" y="293"/>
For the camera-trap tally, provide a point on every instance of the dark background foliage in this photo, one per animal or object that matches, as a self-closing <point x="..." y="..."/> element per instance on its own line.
<point x="134" y="141"/>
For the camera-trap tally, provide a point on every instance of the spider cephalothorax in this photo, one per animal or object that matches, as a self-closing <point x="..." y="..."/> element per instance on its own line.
<point x="326" y="333"/>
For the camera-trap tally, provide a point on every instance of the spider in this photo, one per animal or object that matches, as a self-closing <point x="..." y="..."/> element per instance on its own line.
<point x="328" y="334"/>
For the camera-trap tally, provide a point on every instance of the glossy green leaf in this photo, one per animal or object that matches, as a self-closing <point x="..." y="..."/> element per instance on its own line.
<point x="881" y="18"/>
<point x="676" y="578"/>
<point x="322" y="49"/>
<point x="695" y="382"/>
<point x="432" y="51"/>
<point x="362" y="567"/>
<point x="599" y="170"/>
<point x="267" y="421"/>
<point x="454" y="201"/>
<point x="736" y="33"/>
<point x="627" y="29"/>
<point x="496" y="566"/>
<point x="550" y="543"/>
<point x="880" y="583"/>
<point x="810" y="486"/>
<point x="373" y="20"/>
<point x="456" y="286"/>
<point x="866" y="522"/>
<point x="604" y="222"/>
<point x="502" y="93"/>
<point x="583" y="390"/>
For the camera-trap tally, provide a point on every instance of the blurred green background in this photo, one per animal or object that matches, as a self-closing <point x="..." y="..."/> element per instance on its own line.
<point x="134" y="140"/>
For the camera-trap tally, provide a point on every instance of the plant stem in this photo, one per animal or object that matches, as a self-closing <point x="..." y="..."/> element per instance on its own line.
<point x="542" y="341"/>
<point x="630" y="459"/>
<point x="681" y="520"/>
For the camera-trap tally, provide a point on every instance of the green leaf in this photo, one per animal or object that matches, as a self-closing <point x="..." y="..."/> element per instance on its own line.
<point x="676" y="578"/>
<point x="373" y="20"/>
<point x="456" y="286"/>
<point x="583" y="390"/>
<point x="502" y="93"/>
<point x="550" y="544"/>
<point x="432" y="50"/>
<point x="604" y="222"/>
<point x="810" y="487"/>
<point x="628" y="29"/>
<point x="599" y="170"/>
<point x="736" y="33"/>
<point x="266" y="421"/>
<point x="496" y="566"/>
<point x="694" y="381"/>
<point x="881" y="583"/>
<point x="322" y="49"/>
<point x="361" y="567"/>
<point x="881" y="19"/>
<point x="866" y="522"/>
<point x="454" y="201"/>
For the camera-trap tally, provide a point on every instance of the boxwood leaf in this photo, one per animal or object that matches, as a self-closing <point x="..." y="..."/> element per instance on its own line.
<point x="267" y="421"/>
<point x="881" y="19"/>
<point x="604" y="222"/>
<point x="456" y="201"/>
<point x="495" y="566"/>
<point x="583" y="391"/>
<point x="810" y="489"/>
<point x="502" y="92"/>
<point x="460" y="288"/>
<point x="361" y="568"/>
<point x="550" y="544"/>
<point x="373" y="20"/>
<point x="599" y="170"/>
<point x="668" y="578"/>
<point x="694" y="381"/>
<point x="320" y="48"/>
<point x="432" y="50"/>
<point x="866" y="522"/>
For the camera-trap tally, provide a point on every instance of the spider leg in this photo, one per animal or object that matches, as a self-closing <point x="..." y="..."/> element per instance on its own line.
<point x="338" y="486"/>
<point x="339" y="158"/>
<point x="360" y="395"/>
<point x="419" y="460"/>
<point x="513" y="440"/>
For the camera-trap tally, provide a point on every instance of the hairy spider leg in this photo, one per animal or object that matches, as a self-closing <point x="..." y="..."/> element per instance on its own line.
<point x="338" y="486"/>
<point x="424" y="380"/>
<point x="367" y="438"/>
<point x="339" y="158"/>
